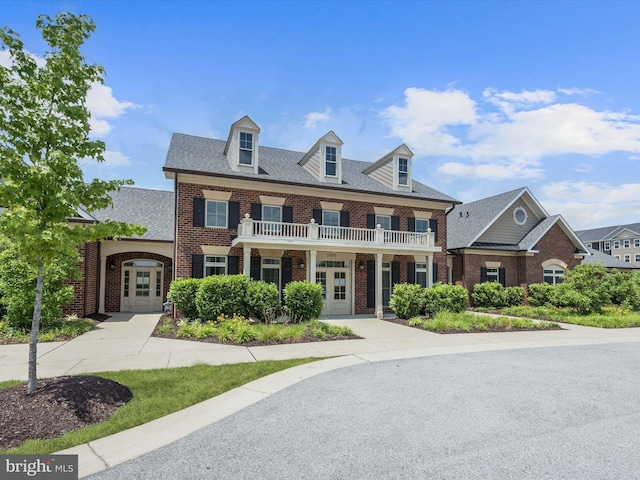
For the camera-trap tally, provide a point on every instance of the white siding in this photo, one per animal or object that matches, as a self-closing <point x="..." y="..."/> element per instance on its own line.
<point x="313" y="165"/>
<point x="384" y="174"/>
<point x="506" y="231"/>
<point x="232" y="151"/>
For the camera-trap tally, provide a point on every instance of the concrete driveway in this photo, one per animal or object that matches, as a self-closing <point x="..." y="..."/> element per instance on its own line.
<point x="567" y="412"/>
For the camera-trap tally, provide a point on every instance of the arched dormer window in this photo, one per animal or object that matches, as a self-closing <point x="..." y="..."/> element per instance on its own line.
<point x="553" y="271"/>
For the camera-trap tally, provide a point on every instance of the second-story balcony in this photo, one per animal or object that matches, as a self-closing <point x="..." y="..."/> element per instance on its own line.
<point x="299" y="236"/>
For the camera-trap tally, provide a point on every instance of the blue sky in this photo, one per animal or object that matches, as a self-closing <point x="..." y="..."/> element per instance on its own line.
<point x="490" y="96"/>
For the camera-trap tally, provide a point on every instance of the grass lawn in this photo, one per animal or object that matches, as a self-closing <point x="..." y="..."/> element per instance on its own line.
<point x="611" y="317"/>
<point x="157" y="393"/>
<point x="239" y="331"/>
<point x="59" y="331"/>
<point x="448" y="322"/>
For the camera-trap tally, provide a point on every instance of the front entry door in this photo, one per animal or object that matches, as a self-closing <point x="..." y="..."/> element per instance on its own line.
<point x="142" y="286"/>
<point x="336" y="290"/>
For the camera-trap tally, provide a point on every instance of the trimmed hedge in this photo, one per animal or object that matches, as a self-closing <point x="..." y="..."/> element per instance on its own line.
<point x="406" y="300"/>
<point x="263" y="300"/>
<point x="303" y="301"/>
<point x="182" y="293"/>
<point x="445" y="297"/>
<point x="222" y="295"/>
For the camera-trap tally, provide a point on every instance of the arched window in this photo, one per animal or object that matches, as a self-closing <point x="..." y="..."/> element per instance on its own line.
<point x="553" y="274"/>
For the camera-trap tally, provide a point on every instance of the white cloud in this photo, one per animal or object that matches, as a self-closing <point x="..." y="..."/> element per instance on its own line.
<point x="507" y="131"/>
<point x="577" y="91"/>
<point x="313" y="118"/>
<point x="100" y="100"/>
<point x="115" y="159"/>
<point x="590" y="205"/>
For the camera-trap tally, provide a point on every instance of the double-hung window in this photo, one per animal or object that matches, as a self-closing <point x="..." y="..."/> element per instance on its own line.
<point x="246" y="148"/>
<point x="330" y="218"/>
<point x="272" y="214"/>
<point x="616" y="244"/>
<point x="214" y="265"/>
<point x="421" y="274"/>
<point x="627" y="258"/>
<point x="422" y="225"/>
<point x="331" y="161"/>
<point x="627" y="243"/>
<point x="637" y="258"/>
<point x="271" y="271"/>
<point x="403" y="171"/>
<point x="493" y="275"/>
<point x="216" y="214"/>
<point x="636" y="242"/>
<point x="607" y="245"/>
<point x="553" y="274"/>
<point x="384" y="221"/>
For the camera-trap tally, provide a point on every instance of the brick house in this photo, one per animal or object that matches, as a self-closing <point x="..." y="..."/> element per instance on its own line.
<point x="132" y="274"/>
<point x="509" y="238"/>
<point x="278" y="215"/>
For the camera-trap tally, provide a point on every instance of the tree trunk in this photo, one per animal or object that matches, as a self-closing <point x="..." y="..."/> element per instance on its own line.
<point x="32" y="383"/>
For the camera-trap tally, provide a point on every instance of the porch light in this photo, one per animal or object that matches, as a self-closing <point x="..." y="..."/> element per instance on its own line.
<point x="301" y="265"/>
<point x="361" y="265"/>
<point x="112" y="265"/>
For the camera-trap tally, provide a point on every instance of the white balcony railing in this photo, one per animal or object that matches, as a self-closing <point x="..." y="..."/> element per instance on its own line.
<point x="315" y="233"/>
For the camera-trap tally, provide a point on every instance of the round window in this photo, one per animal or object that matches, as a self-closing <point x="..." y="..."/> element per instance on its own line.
<point x="520" y="216"/>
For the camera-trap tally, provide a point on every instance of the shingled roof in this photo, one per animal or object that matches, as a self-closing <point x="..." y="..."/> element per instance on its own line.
<point x="606" y="260"/>
<point x="153" y="209"/>
<point x="199" y="155"/>
<point x="606" y="233"/>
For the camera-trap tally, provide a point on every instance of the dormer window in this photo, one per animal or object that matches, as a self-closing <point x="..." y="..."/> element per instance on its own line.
<point x="331" y="161"/>
<point x="246" y="148"/>
<point x="403" y="171"/>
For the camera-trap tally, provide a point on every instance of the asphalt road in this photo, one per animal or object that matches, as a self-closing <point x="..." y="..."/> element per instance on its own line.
<point x="566" y="412"/>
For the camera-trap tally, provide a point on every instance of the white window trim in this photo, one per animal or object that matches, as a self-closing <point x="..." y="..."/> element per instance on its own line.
<point x="215" y="264"/>
<point x="636" y="258"/>
<point x="616" y="244"/>
<point x="636" y="242"/>
<point x="399" y="172"/>
<point x="252" y="149"/>
<point x="325" y="161"/>
<point x="424" y="268"/>
<point x="396" y="173"/>
<point x="279" y="207"/>
<point x="385" y="216"/>
<point x="607" y="245"/>
<point x="271" y="266"/>
<point x="627" y="257"/>
<point x="493" y="274"/>
<point x="206" y="214"/>
<point x="617" y="256"/>
<point x="556" y="272"/>
<point x="422" y="220"/>
<point x="324" y="222"/>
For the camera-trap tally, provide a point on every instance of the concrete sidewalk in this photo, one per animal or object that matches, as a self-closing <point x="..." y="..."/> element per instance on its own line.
<point x="124" y="342"/>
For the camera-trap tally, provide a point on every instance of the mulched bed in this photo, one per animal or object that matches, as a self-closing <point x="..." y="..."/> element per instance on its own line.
<point x="490" y="328"/>
<point x="254" y="343"/>
<point x="59" y="405"/>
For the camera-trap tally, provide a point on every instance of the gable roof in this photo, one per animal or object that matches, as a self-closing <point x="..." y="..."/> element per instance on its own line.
<point x="467" y="222"/>
<point x="605" y="233"/>
<point x="205" y="156"/>
<point x="153" y="209"/>
<point x="606" y="260"/>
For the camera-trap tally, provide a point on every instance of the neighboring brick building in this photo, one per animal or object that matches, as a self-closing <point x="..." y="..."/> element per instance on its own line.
<point x="277" y="215"/>
<point x="509" y="238"/>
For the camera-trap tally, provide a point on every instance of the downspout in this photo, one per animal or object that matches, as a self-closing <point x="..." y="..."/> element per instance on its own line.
<point x="86" y="281"/>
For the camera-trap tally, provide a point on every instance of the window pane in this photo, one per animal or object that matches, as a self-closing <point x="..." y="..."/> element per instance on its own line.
<point x="246" y="140"/>
<point x="271" y="213"/>
<point x="422" y="225"/>
<point x="246" y="157"/>
<point x="331" y="169"/>
<point x="126" y="283"/>
<point x="271" y="275"/>
<point x="384" y="221"/>
<point x="331" y="218"/>
<point x="403" y="178"/>
<point x="214" y="265"/>
<point x="331" y="161"/>
<point x="216" y="214"/>
<point x="158" y="284"/>
<point x="321" y="278"/>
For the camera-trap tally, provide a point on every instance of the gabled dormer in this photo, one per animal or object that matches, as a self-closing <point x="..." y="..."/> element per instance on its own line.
<point x="324" y="160"/>
<point x="241" y="149"/>
<point x="393" y="170"/>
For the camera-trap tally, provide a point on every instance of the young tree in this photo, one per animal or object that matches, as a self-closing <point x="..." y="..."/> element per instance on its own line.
<point x="44" y="132"/>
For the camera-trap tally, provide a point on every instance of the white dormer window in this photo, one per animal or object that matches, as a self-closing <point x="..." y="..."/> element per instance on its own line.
<point x="403" y="171"/>
<point x="331" y="161"/>
<point x="246" y="148"/>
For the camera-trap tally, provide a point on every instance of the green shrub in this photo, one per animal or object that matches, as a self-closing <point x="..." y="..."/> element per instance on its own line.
<point x="263" y="300"/>
<point x="565" y="295"/>
<point x="222" y="295"/>
<point x="18" y="287"/>
<point x="513" y="296"/>
<point x="590" y="282"/>
<point x="488" y="295"/>
<point x="540" y="294"/>
<point x="406" y="300"/>
<point x="182" y="293"/>
<point x="441" y="297"/>
<point x="624" y="288"/>
<point x="303" y="301"/>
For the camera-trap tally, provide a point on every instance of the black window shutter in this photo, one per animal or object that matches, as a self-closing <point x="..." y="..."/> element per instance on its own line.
<point x="371" y="220"/>
<point x="395" y="222"/>
<point x="501" y="276"/>
<point x="411" y="224"/>
<point x="197" y="265"/>
<point x="254" y="268"/>
<point x="233" y="265"/>
<point x="198" y="212"/>
<point x="234" y="215"/>
<point x="433" y="225"/>
<point x="411" y="272"/>
<point x="287" y="214"/>
<point x="435" y="272"/>
<point x="286" y="272"/>
<point x="395" y="274"/>
<point x="256" y="211"/>
<point x="371" y="284"/>
<point x="344" y="218"/>
<point x="483" y="274"/>
<point x="317" y="215"/>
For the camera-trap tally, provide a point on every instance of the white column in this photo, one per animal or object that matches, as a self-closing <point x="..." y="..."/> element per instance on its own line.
<point x="103" y="281"/>
<point x="246" y="260"/>
<point x="313" y="254"/>
<point x="379" y="311"/>
<point x="429" y="271"/>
